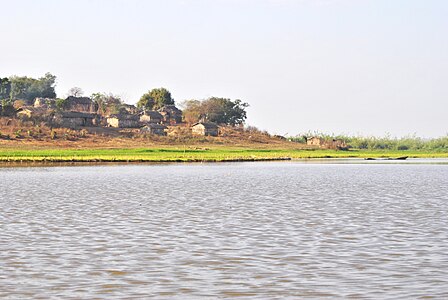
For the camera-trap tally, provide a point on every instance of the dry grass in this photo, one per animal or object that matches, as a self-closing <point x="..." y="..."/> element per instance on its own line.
<point x="28" y="135"/>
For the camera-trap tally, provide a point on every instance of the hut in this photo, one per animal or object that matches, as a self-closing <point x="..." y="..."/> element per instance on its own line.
<point x="205" y="128"/>
<point x="336" y="144"/>
<point x="153" y="128"/>
<point x="151" y="116"/>
<point x="123" y="121"/>
<point x="28" y="112"/>
<point x="73" y="119"/>
<point x="326" y="143"/>
<point x="315" y="141"/>
<point x="79" y="104"/>
<point x="171" y="114"/>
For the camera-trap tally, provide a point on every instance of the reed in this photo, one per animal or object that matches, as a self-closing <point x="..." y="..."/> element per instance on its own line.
<point x="383" y="143"/>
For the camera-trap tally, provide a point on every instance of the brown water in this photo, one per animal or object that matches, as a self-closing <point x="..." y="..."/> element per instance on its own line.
<point x="253" y="230"/>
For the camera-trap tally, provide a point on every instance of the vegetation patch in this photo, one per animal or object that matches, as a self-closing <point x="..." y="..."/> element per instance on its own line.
<point x="192" y="155"/>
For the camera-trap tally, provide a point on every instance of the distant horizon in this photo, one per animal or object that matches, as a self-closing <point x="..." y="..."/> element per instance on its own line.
<point x="363" y="68"/>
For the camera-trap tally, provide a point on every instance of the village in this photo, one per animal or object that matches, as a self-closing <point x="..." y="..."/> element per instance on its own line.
<point x="31" y="110"/>
<point x="80" y="112"/>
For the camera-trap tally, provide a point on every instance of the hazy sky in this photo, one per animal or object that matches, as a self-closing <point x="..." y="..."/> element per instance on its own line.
<point x="337" y="66"/>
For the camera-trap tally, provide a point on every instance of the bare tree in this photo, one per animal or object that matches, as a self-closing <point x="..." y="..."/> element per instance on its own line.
<point x="75" y="91"/>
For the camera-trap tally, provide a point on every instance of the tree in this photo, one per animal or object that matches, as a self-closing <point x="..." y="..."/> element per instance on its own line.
<point x="214" y="109"/>
<point x="27" y="88"/>
<point x="5" y="88"/>
<point x="47" y="85"/>
<point x="225" y="111"/>
<point x="75" y="92"/>
<point x="146" y="102"/>
<point x="192" y="111"/>
<point x="107" y="104"/>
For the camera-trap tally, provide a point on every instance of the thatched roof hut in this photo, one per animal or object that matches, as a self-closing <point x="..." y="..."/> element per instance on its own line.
<point x="205" y="128"/>
<point x="151" y="116"/>
<point x="171" y="114"/>
<point x="153" y="128"/>
<point x="80" y="104"/>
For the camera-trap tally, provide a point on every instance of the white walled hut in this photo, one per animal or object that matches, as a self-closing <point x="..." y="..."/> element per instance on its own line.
<point x="205" y="128"/>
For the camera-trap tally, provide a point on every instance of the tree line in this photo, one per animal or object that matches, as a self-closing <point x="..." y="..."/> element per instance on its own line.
<point x="27" y="88"/>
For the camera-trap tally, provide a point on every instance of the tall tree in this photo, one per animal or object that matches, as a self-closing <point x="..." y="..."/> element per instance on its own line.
<point x="225" y="111"/>
<point x="107" y="104"/>
<point x="155" y="99"/>
<point x="146" y="102"/>
<point x="192" y="111"/>
<point x="161" y="97"/>
<point x="28" y="88"/>
<point x="214" y="109"/>
<point x="47" y="85"/>
<point x="75" y="92"/>
<point x="5" y="88"/>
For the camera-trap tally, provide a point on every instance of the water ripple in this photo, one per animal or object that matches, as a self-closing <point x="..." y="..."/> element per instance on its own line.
<point x="239" y="230"/>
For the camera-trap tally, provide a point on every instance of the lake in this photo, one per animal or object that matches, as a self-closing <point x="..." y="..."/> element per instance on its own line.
<point x="266" y="230"/>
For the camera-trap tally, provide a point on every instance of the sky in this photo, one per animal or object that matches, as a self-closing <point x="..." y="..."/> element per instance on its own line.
<point x="357" y="67"/>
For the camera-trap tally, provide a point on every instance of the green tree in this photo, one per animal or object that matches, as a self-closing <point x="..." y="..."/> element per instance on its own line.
<point x="214" y="109"/>
<point x="61" y="104"/>
<point x="146" y="102"/>
<point x="47" y="85"/>
<point x="5" y="88"/>
<point x="225" y="111"/>
<point x="28" y="88"/>
<point x="161" y="97"/>
<point x="107" y="104"/>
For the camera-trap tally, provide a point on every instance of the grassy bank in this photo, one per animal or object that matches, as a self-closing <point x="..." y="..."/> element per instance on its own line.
<point x="169" y="154"/>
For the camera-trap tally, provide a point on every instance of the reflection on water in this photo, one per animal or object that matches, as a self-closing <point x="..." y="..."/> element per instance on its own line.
<point x="261" y="230"/>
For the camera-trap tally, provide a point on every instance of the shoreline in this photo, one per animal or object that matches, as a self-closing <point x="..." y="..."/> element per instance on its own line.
<point x="339" y="160"/>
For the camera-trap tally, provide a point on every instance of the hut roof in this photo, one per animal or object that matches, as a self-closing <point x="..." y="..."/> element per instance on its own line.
<point x="152" y="113"/>
<point x="32" y="109"/>
<point x="155" y="126"/>
<point x="170" y="108"/>
<point x="125" y="117"/>
<point x="75" y="114"/>
<point x="207" y="125"/>
<point x="79" y="100"/>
